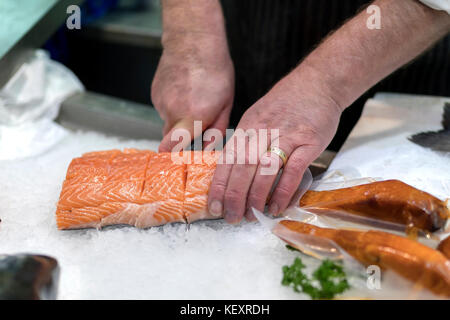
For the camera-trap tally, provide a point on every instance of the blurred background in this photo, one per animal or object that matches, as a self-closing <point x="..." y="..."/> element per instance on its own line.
<point x="117" y="49"/>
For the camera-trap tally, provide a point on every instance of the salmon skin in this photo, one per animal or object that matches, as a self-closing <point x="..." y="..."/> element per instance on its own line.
<point x="140" y="188"/>
<point x="412" y="260"/>
<point x="390" y="200"/>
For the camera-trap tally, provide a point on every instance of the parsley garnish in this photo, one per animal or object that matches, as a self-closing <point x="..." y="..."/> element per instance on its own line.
<point x="330" y="277"/>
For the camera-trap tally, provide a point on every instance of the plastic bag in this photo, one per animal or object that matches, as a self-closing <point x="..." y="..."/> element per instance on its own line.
<point x="29" y="103"/>
<point x="332" y="209"/>
<point x="394" y="286"/>
<point x="391" y="285"/>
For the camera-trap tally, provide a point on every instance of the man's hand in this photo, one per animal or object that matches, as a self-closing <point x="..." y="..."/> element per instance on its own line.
<point x="195" y="75"/>
<point x="194" y="81"/>
<point x="306" y="105"/>
<point x="307" y="120"/>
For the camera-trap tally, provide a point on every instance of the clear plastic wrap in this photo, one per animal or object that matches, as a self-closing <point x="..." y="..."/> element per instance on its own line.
<point x="391" y="285"/>
<point x="390" y="204"/>
<point x="394" y="286"/>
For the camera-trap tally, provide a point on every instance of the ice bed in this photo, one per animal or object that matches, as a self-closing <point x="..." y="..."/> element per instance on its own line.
<point x="208" y="259"/>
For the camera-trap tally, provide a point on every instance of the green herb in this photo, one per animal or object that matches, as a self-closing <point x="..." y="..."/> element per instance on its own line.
<point x="330" y="277"/>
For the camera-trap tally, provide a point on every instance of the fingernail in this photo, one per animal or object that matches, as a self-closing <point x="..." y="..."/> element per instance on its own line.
<point x="273" y="209"/>
<point x="215" y="208"/>
<point x="249" y="215"/>
<point x="230" y="217"/>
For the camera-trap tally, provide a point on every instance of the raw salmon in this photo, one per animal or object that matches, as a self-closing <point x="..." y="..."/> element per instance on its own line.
<point x="135" y="187"/>
<point x="198" y="179"/>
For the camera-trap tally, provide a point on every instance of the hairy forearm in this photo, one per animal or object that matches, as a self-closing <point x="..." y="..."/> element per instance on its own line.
<point x="196" y="18"/>
<point x="354" y="58"/>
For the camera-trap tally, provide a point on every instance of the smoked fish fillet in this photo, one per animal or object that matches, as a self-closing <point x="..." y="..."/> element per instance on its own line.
<point x="135" y="187"/>
<point x="444" y="247"/>
<point x="412" y="260"/>
<point x="390" y="200"/>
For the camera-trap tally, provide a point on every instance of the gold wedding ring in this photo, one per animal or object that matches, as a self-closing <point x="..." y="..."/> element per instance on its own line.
<point x="279" y="153"/>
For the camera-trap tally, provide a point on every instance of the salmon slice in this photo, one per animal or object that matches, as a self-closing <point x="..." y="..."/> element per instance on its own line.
<point x="198" y="180"/>
<point x="164" y="184"/>
<point x="135" y="187"/>
<point x="96" y="180"/>
<point x="101" y="184"/>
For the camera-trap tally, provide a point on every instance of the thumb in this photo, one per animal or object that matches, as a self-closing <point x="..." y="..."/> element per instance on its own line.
<point x="180" y="136"/>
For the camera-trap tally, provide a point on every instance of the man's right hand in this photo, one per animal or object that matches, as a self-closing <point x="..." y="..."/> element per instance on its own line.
<point x="194" y="81"/>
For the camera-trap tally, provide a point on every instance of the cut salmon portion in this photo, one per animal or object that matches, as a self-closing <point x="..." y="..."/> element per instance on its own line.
<point x="100" y="184"/>
<point x="95" y="179"/>
<point x="164" y="184"/>
<point x="198" y="180"/>
<point x="135" y="187"/>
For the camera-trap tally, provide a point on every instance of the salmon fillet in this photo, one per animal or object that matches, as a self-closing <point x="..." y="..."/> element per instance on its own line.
<point x="135" y="187"/>
<point x="444" y="247"/>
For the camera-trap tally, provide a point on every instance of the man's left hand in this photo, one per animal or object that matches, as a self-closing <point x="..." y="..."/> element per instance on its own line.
<point x="307" y="120"/>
